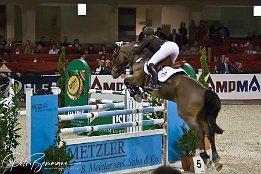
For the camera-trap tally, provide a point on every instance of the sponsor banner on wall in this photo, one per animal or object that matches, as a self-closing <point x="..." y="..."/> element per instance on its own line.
<point x="235" y="86"/>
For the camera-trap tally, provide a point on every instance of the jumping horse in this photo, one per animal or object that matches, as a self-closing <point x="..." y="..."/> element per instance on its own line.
<point x="197" y="105"/>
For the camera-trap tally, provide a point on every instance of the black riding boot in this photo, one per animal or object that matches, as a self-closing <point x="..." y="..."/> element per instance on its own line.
<point x="154" y="84"/>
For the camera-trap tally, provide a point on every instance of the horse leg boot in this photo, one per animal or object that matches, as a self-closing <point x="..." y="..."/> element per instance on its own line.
<point x="215" y="156"/>
<point x="154" y="84"/>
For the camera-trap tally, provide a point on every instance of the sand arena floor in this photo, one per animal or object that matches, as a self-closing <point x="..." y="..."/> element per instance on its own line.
<point x="239" y="146"/>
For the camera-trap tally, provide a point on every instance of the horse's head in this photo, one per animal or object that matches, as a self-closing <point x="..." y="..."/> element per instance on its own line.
<point x="121" y="58"/>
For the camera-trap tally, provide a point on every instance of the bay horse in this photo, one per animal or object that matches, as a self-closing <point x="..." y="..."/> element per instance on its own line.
<point x="197" y="105"/>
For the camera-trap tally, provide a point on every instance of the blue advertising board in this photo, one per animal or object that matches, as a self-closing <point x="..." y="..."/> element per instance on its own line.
<point x="174" y="131"/>
<point x="114" y="155"/>
<point x="44" y="110"/>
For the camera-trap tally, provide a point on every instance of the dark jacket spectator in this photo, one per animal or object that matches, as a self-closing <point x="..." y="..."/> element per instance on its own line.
<point x="1" y="49"/>
<point x="225" y="68"/>
<point x="91" y="49"/>
<point x="76" y="43"/>
<point x="237" y="69"/>
<point x="160" y="34"/>
<point x="43" y="42"/>
<point x="174" y="37"/>
<point x="79" y="50"/>
<point x="183" y="31"/>
<point x="232" y="49"/>
<point x="7" y="49"/>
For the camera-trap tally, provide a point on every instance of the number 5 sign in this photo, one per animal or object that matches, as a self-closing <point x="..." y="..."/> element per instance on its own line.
<point x="198" y="165"/>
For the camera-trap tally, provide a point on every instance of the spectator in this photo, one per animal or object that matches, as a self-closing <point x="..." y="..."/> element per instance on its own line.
<point x="7" y="49"/>
<point x="237" y="68"/>
<point x="224" y="68"/>
<point x="160" y="33"/>
<point x="106" y="70"/>
<point x="83" y="56"/>
<point x="166" y="170"/>
<point x="192" y="32"/>
<point x="174" y="37"/>
<point x="103" y="49"/>
<point x="76" y="43"/>
<point x="91" y="49"/>
<point x="2" y="40"/>
<point x="202" y="31"/>
<point x="185" y="50"/>
<point x="39" y="49"/>
<point x="42" y="42"/>
<point x="64" y="42"/>
<point x="225" y="33"/>
<point x="232" y="49"/>
<point x="215" y="71"/>
<point x="79" y="50"/>
<point x="28" y="48"/>
<point x="250" y="50"/>
<point x="183" y="31"/>
<point x="141" y="35"/>
<point x="195" y="49"/>
<point x="100" y="64"/>
<point x="54" y="50"/>
<point x="62" y="47"/>
<point x="17" y="50"/>
<point x="51" y="42"/>
<point x="258" y="51"/>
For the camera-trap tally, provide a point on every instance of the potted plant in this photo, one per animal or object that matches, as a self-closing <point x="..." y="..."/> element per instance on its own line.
<point x="188" y="143"/>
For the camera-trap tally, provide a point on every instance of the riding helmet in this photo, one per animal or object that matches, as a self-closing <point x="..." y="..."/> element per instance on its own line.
<point x="148" y="31"/>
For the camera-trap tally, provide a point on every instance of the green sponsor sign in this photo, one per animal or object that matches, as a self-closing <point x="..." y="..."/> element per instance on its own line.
<point x="77" y="86"/>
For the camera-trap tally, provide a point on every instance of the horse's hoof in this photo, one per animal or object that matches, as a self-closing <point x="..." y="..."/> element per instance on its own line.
<point x="218" y="166"/>
<point x="138" y="98"/>
<point x="215" y="157"/>
<point x="208" y="162"/>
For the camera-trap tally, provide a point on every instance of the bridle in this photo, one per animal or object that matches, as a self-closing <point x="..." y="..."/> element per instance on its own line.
<point x="119" y="69"/>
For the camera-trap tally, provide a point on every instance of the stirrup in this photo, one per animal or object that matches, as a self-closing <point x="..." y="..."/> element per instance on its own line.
<point x="152" y="87"/>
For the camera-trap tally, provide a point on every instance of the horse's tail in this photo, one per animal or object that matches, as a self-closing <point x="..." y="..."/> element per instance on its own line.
<point x="212" y="108"/>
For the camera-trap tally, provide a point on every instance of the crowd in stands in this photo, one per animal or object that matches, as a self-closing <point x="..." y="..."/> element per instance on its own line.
<point x="190" y="39"/>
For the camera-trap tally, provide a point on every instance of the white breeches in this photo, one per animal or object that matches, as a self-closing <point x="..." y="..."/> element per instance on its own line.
<point x="167" y="49"/>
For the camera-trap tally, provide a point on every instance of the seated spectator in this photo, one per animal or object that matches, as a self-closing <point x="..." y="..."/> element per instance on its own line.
<point x="91" y="49"/>
<point x="64" y="42"/>
<point x="106" y="70"/>
<point x="83" y="56"/>
<point x="250" y="50"/>
<point x="232" y="49"/>
<point x="160" y="33"/>
<point x="195" y="49"/>
<point x="185" y="50"/>
<point x="39" y="49"/>
<point x="100" y="66"/>
<point x="103" y="49"/>
<point x="17" y="50"/>
<point x="28" y="48"/>
<point x="54" y="50"/>
<point x="224" y="68"/>
<point x="76" y="43"/>
<point x="62" y="47"/>
<point x="51" y="42"/>
<point x="174" y="37"/>
<point x="215" y="70"/>
<point x="258" y="50"/>
<point x="79" y="50"/>
<point x="42" y="42"/>
<point x="7" y="49"/>
<point x="237" y="69"/>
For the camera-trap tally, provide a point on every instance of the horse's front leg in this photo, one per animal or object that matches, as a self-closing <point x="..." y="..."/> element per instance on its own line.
<point x="134" y="90"/>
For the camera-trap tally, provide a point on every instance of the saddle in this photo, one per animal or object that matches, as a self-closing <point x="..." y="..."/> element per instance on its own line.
<point x="168" y="62"/>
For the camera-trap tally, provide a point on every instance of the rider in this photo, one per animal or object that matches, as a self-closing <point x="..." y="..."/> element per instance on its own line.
<point x="161" y="49"/>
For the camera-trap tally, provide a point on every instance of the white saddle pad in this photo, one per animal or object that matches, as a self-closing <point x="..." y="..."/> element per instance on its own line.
<point x="165" y="73"/>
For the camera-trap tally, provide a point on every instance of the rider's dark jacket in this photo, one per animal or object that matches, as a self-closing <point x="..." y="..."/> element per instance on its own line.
<point x="153" y="43"/>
